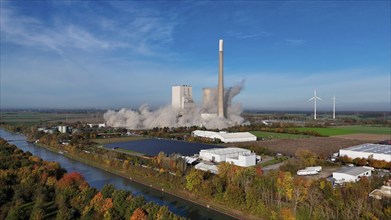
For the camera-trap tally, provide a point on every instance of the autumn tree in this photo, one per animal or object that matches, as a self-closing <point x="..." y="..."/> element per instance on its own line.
<point x="139" y="214"/>
<point x="194" y="180"/>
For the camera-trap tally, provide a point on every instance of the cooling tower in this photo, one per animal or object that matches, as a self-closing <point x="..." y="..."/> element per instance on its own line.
<point x="207" y="96"/>
<point x="220" y="89"/>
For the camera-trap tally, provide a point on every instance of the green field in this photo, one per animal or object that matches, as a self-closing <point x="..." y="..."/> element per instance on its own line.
<point x="272" y="135"/>
<point x="333" y="131"/>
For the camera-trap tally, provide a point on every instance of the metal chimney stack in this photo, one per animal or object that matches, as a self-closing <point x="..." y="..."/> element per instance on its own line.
<point x="220" y="89"/>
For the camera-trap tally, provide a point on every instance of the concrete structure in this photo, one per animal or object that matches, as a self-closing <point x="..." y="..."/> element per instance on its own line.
<point x="383" y="192"/>
<point x="62" y="128"/>
<point x="375" y="151"/>
<point x="238" y="156"/>
<point x="226" y="137"/>
<point x="351" y="174"/>
<point x="220" y="88"/>
<point x="182" y="97"/>
<point x="207" y="167"/>
<point x="100" y="125"/>
<point x="208" y="95"/>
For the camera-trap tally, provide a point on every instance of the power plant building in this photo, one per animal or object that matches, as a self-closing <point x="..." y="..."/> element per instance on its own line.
<point x="374" y="151"/>
<point x="182" y="97"/>
<point x="226" y="137"/>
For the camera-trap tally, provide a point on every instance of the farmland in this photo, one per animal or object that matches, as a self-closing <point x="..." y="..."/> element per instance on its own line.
<point x="323" y="146"/>
<point x="273" y="135"/>
<point x="36" y="117"/>
<point x="345" y="130"/>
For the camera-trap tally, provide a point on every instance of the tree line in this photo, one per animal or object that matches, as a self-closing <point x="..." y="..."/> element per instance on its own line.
<point x="31" y="188"/>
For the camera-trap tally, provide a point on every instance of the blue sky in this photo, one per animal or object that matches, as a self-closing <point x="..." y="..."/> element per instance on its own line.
<point x="112" y="54"/>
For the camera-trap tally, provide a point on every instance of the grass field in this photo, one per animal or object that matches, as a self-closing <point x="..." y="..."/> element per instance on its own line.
<point x="343" y="130"/>
<point x="272" y="135"/>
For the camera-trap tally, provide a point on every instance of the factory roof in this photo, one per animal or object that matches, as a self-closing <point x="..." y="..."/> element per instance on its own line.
<point x="237" y="135"/>
<point x="371" y="148"/>
<point x="354" y="171"/>
<point x="224" y="135"/>
<point x="206" y="167"/>
<point x="228" y="150"/>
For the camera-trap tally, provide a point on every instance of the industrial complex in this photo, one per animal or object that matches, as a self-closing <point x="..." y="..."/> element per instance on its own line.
<point x="182" y="95"/>
<point x="373" y="151"/>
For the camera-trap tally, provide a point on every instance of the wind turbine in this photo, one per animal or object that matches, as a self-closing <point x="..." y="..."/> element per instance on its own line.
<point x="314" y="98"/>
<point x="334" y="107"/>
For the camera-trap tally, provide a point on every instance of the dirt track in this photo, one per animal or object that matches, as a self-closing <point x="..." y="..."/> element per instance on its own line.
<point x="323" y="146"/>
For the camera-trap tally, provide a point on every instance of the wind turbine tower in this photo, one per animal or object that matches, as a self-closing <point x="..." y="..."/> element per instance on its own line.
<point x="314" y="98"/>
<point x="334" y="107"/>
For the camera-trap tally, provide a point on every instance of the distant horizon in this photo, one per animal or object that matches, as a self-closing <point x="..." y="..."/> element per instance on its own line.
<point x="320" y="111"/>
<point x="114" y="54"/>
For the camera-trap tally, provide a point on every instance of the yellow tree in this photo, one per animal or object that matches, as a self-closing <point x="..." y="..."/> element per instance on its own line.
<point x="300" y="189"/>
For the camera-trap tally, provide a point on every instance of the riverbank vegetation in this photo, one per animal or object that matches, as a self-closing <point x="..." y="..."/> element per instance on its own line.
<point x="31" y="188"/>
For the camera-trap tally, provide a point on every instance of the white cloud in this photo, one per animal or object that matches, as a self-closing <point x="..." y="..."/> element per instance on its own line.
<point x="148" y="33"/>
<point x="246" y="35"/>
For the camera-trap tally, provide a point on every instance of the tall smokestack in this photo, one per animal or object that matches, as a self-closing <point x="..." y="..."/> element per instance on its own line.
<point x="220" y="89"/>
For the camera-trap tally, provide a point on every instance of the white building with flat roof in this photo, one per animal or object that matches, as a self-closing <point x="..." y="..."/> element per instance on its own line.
<point x="375" y="151"/>
<point x="351" y="174"/>
<point x="226" y="137"/>
<point x="237" y="156"/>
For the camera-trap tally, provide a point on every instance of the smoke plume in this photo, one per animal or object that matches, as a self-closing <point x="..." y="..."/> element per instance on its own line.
<point x="166" y="116"/>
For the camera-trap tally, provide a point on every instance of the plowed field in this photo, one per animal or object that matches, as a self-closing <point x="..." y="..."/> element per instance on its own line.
<point x="323" y="146"/>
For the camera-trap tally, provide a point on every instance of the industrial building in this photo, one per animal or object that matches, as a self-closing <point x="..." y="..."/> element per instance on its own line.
<point x="351" y="174"/>
<point x="207" y="167"/>
<point x="100" y="125"/>
<point x="62" y="128"/>
<point x="182" y="97"/>
<point x="226" y="137"/>
<point x="374" y="151"/>
<point x="237" y="156"/>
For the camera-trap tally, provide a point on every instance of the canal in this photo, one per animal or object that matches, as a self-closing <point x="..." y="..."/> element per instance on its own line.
<point x="98" y="178"/>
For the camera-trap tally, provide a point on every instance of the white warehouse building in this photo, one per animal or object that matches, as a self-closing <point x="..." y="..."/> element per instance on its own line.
<point x="226" y="137"/>
<point x="351" y="174"/>
<point x="375" y="151"/>
<point x="238" y="156"/>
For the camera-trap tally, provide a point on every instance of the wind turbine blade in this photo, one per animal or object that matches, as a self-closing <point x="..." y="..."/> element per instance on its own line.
<point x="318" y="98"/>
<point x="311" y="99"/>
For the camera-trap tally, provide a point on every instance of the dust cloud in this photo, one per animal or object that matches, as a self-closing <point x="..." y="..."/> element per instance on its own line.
<point x="145" y="118"/>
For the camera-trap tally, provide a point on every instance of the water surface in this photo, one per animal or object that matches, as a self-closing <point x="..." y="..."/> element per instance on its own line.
<point x="152" y="147"/>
